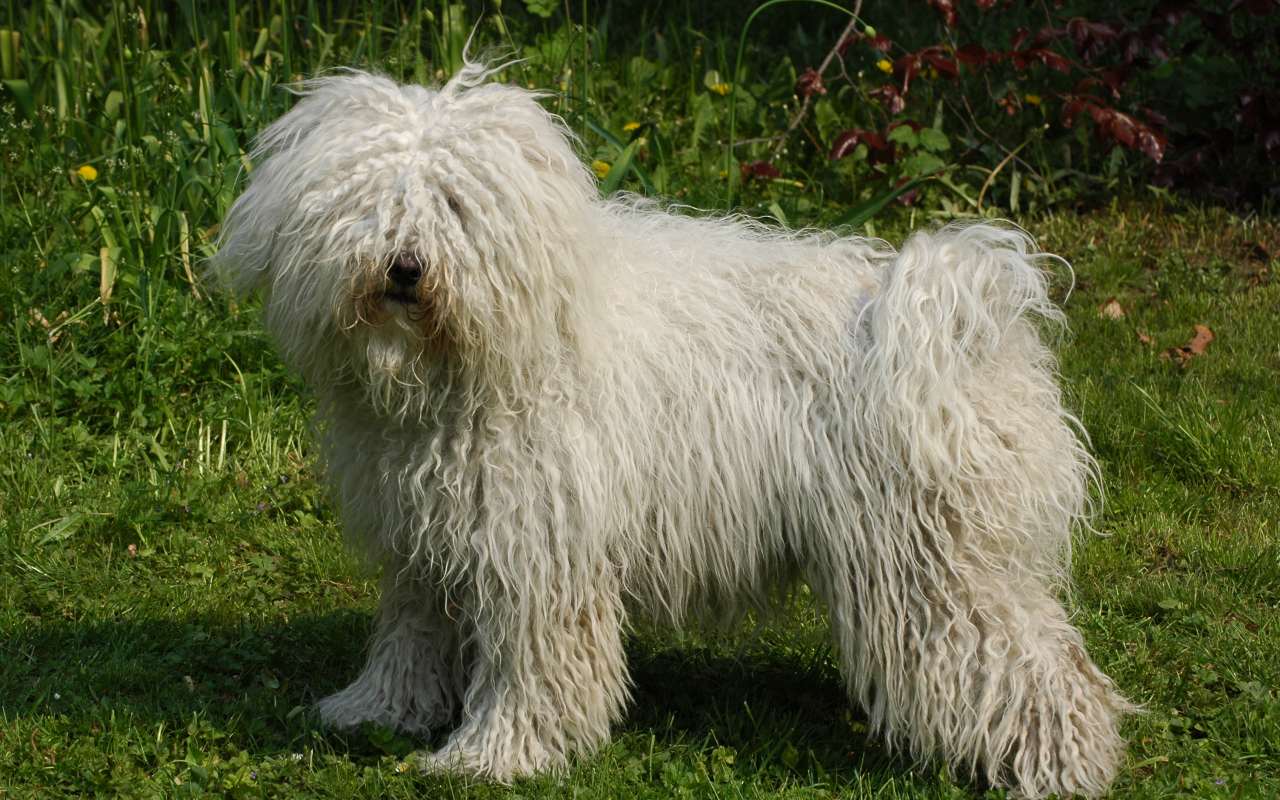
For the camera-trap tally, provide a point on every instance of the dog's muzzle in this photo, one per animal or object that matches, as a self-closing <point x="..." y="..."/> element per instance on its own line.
<point x="403" y="275"/>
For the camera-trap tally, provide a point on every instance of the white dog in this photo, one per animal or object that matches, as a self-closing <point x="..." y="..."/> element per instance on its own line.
<point x="546" y="414"/>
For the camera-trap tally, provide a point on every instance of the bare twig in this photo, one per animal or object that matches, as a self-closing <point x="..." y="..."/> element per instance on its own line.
<point x="1013" y="154"/>
<point x="803" y="111"/>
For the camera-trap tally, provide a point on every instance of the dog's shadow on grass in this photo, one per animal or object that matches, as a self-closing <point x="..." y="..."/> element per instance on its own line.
<point x="255" y="683"/>
<point x="780" y="710"/>
<point x="251" y="681"/>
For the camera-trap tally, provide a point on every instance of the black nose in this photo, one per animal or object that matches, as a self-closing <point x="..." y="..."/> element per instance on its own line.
<point x="405" y="271"/>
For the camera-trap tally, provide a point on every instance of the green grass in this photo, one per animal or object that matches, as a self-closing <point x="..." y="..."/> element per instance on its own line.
<point x="173" y="589"/>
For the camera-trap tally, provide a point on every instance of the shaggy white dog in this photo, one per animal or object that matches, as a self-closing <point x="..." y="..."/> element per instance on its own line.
<point x="546" y="414"/>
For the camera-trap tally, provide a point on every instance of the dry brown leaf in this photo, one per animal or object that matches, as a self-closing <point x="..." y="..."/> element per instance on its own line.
<point x="1196" y="347"/>
<point x="1144" y="338"/>
<point x="1111" y="309"/>
<point x="1200" y="342"/>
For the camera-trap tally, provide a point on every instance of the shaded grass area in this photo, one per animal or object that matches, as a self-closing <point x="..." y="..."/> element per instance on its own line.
<point x="170" y="606"/>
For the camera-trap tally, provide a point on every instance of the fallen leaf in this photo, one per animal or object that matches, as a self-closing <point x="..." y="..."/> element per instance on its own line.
<point x="1196" y="347"/>
<point x="1200" y="342"/>
<point x="1111" y="309"/>
<point x="1144" y="338"/>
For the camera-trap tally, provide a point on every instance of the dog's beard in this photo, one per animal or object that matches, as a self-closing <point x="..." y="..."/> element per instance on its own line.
<point x="399" y="339"/>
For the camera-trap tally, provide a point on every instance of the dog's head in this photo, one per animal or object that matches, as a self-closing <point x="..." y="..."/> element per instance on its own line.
<point x="389" y="226"/>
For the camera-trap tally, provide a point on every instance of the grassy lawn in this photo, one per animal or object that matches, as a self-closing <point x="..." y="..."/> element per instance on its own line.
<point x="174" y="593"/>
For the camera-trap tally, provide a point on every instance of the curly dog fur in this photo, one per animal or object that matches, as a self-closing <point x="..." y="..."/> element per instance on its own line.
<point x="545" y="414"/>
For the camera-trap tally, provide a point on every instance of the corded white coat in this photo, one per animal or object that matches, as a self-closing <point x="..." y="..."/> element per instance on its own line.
<point x="595" y="410"/>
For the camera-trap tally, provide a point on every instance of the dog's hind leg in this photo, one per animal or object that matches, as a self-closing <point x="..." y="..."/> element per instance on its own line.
<point x="950" y="659"/>
<point x="412" y="679"/>
<point x="969" y="477"/>
<point x="548" y="678"/>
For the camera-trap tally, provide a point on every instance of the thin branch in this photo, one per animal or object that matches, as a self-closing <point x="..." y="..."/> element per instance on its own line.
<point x="973" y="120"/>
<point x="803" y="111"/>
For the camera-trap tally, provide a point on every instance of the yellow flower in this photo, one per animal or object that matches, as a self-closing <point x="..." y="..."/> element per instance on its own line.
<point x="600" y="168"/>
<point x="1033" y="99"/>
<point x="87" y="173"/>
<point x="721" y="88"/>
<point x="884" y="65"/>
<point x="631" y="126"/>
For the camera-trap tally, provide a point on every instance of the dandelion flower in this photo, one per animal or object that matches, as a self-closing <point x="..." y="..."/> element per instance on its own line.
<point x="721" y="88"/>
<point x="87" y="173"/>
<point x="1033" y="99"/>
<point x="600" y="168"/>
<point x="884" y="65"/>
<point x="631" y="126"/>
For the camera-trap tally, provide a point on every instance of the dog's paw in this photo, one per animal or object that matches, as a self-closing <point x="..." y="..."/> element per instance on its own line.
<point x="360" y="703"/>
<point x="451" y="760"/>
<point x="500" y="755"/>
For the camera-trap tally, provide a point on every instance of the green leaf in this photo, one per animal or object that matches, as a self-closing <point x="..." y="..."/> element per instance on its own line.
<point x="922" y="163"/>
<point x="112" y="106"/>
<point x="62" y="529"/>
<point x="903" y="135"/>
<point x="603" y="133"/>
<point x="827" y="119"/>
<point x="21" y="91"/>
<point x="934" y="140"/>
<point x="619" y="169"/>
<point x="541" y="8"/>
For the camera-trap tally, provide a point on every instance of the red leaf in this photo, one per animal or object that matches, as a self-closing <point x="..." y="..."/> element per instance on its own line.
<point x="1115" y="125"/>
<point x="945" y="66"/>
<point x="1122" y="127"/>
<point x="878" y="148"/>
<point x="810" y="83"/>
<point x="1072" y="108"/>
<point x="880" y="42"/>
<point x="905" y="69"/>
<point x="759" y="169"/>
<point x="974" y="55"/>
<point x="845" y="144"/>
<point x="1046" y="35"/>
<point x="1152" y="144"/>
<point x="1115" y="78"/>
<point x="1024" y="58"/>
<point x="947" y="9"/>
<point x="890" y="98"/>
<point x="1090" y="38"/>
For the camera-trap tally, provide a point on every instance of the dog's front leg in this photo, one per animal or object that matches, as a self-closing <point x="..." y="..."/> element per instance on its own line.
<point x="412" y="679"/>
<point x="548" y="675"/>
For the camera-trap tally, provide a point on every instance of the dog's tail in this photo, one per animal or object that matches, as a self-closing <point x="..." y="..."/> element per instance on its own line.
<point x="962" y="399"/>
